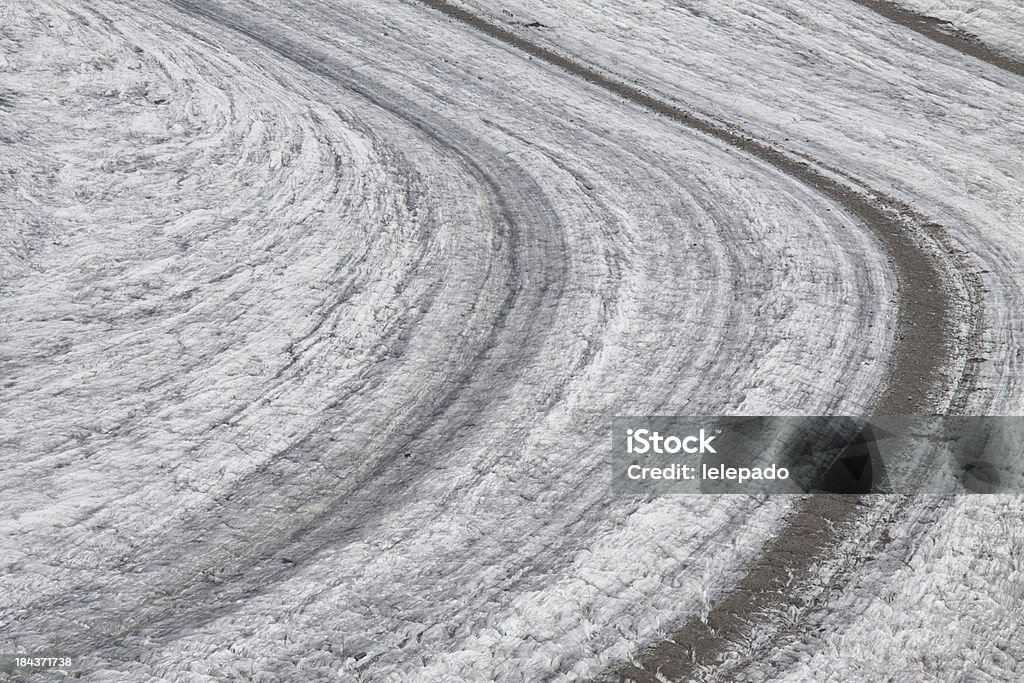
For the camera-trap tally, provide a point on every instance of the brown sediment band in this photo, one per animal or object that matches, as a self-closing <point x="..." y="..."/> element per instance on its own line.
<point x="929" y="344"/>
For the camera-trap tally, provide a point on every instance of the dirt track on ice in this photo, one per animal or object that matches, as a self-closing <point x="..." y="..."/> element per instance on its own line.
<point x="919" y="382"/>
<point x="941" y="33"/>
<point x="514" y="286"/>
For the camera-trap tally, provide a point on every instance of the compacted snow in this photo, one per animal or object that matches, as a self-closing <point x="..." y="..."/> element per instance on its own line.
<point x="997" y="23"/>
<point x="844" y="87"/>
<point x="314" y="317"/>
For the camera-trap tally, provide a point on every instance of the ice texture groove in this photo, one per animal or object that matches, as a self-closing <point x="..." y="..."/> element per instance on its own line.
<point x="313" y="317"/>
<point x="913" y="119"/>
<point x="916" y="119"/>
<point x="998" y="24"/>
